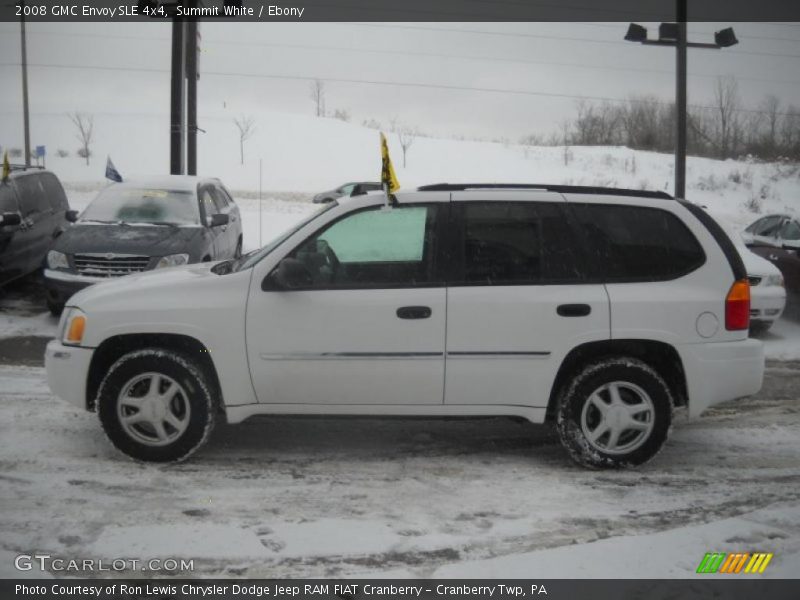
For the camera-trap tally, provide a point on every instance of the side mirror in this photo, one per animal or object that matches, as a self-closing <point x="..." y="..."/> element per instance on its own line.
<point x="219" y="220"/>
<point x="290" y="274"/>
<point x="10" y="219"/>
<point x="71" y="215"/>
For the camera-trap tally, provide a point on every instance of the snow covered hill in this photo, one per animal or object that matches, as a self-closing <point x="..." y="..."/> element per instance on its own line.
<point x="310" y="154"/>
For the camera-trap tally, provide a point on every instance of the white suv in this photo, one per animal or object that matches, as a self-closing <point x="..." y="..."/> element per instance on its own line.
<point x="598" y="310"/>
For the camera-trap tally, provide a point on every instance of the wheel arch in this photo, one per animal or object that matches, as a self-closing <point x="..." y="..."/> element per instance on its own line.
<point x="661" y="356"/>
<point x="113" y="348"/>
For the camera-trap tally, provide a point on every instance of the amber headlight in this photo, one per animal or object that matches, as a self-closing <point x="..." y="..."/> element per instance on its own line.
<point x="74" y="327"/>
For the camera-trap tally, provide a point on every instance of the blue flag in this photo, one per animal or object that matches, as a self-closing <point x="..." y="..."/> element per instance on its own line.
<point x="111" y="171"/>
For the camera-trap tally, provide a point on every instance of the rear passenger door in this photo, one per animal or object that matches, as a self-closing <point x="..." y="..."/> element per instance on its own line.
<point x="518" y="298"/>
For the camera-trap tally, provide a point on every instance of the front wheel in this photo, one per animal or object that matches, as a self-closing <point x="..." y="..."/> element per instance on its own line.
<point x="616" y="413"/>
<point x="156" y="405"/>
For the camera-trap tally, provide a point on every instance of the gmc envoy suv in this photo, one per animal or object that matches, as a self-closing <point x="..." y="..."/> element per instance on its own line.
<point x="597" y="310"/>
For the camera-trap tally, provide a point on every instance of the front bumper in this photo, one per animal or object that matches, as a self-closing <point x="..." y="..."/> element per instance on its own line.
<point x="61" y="285"/>
<point x="767" y="304"/>
<point x="67" y="371"/>
<point x="721" y="371"/>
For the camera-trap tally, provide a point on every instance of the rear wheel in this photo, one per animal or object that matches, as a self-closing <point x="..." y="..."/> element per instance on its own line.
<point x="615" y="413"/>
<point x="156" y="405"/>
<point x="759" y="327"/>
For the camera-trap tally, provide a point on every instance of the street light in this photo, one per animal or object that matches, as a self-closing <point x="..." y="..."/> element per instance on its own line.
<point x="674" y="34"/>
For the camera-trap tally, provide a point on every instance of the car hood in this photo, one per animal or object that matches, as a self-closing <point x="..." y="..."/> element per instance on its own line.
<point x="144" y="240"/>
<point x="140" y="285"/>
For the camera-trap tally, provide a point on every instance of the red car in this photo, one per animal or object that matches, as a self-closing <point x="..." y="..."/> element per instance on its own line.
<point x="776" y="237"/>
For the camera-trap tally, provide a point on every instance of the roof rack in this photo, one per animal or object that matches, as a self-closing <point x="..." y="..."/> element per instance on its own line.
<point x="562" y="189"/>
<point x="19" y="167"/>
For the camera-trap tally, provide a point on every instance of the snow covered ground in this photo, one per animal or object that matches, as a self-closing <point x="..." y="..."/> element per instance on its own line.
<point x="280" y="497"/>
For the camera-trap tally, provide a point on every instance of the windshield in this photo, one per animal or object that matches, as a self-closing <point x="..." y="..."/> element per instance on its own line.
<point x="118" y="204"/>
<point x="251" y="258"/>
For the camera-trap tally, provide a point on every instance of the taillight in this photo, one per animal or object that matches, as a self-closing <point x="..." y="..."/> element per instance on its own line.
<point x="737" y="306"/>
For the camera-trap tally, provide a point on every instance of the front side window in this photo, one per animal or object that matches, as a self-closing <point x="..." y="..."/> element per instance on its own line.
<point x="209" y="205"/>
<point x="8" y="200"/>
<point x="32" y="198"/>
<point x="373" y="248"/>
<point x="769" y="227"/>
<point x="508" y="243"/>
<point x="635" y="243"/>
<point x="54" y="192"/>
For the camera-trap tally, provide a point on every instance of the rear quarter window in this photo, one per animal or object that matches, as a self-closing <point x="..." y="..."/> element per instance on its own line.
<point x="636" y="243"/>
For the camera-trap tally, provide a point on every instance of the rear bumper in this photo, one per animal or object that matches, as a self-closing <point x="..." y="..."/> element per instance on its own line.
<point x="721" y="371"/>
<point x="67" y="370"/>
<point x="61" y="286"/>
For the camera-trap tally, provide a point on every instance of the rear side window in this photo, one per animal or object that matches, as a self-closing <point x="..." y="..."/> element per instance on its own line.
<point x="54" y="192"/>
<point x="31" y="194"/>
<point x="513" y="243"/>
<point x="634" y="243"/>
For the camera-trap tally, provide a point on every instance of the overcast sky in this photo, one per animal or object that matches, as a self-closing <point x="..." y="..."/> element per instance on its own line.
<point x="550" y="62"/>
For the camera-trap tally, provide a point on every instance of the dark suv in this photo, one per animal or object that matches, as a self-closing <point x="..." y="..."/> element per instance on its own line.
<point x="33" y="212"/>
<point x="142" y="225"/>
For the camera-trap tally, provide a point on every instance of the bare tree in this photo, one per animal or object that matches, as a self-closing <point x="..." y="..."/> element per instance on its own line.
<point x="406" y="136"/>
<point x="85" y="125"/>
<point x="726" y="107"/>
<point x="246" y="127"/>
<point x="317" y="95"/>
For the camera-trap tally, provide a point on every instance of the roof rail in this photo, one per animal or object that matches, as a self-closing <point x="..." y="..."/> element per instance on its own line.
<point x="19" y="167"/>
<point x="562" y="189"/>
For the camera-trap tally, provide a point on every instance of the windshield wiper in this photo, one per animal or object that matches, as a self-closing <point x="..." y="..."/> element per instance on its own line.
<point x="167" y="223"/>
<point x="103" y="222"/>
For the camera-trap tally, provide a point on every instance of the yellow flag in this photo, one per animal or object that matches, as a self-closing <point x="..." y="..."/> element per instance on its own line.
<point x="388" y="177"/>
<point x="6" y="166"/>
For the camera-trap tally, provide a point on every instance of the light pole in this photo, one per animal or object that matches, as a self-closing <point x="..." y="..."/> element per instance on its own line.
<point x="25" y="112"/>
<point x="674" y="34"/>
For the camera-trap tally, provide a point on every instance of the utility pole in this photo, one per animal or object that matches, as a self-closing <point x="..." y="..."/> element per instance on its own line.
<point x="177" y="164"/>
<point x="25" y="113"/>
<point x="192" y="48"/>
<point x="680" y="102"/>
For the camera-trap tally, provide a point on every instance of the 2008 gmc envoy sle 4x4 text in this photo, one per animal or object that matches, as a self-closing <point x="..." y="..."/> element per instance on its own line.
<point x="598" y="310"/>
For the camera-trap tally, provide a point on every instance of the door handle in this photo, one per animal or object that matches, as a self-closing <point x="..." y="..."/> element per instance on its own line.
<point x="573" y="310"/>
<point x="414" y="312"/>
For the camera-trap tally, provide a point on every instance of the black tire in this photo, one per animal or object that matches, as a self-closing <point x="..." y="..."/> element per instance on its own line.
<point x="758" y="328"/>
<point x="55" y="308"/>
<point x="629" y="377"/>
<point x="195" y="399"/>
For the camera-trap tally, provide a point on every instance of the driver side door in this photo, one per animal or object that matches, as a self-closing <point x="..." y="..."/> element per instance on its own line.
<point x="368" y="325"/>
